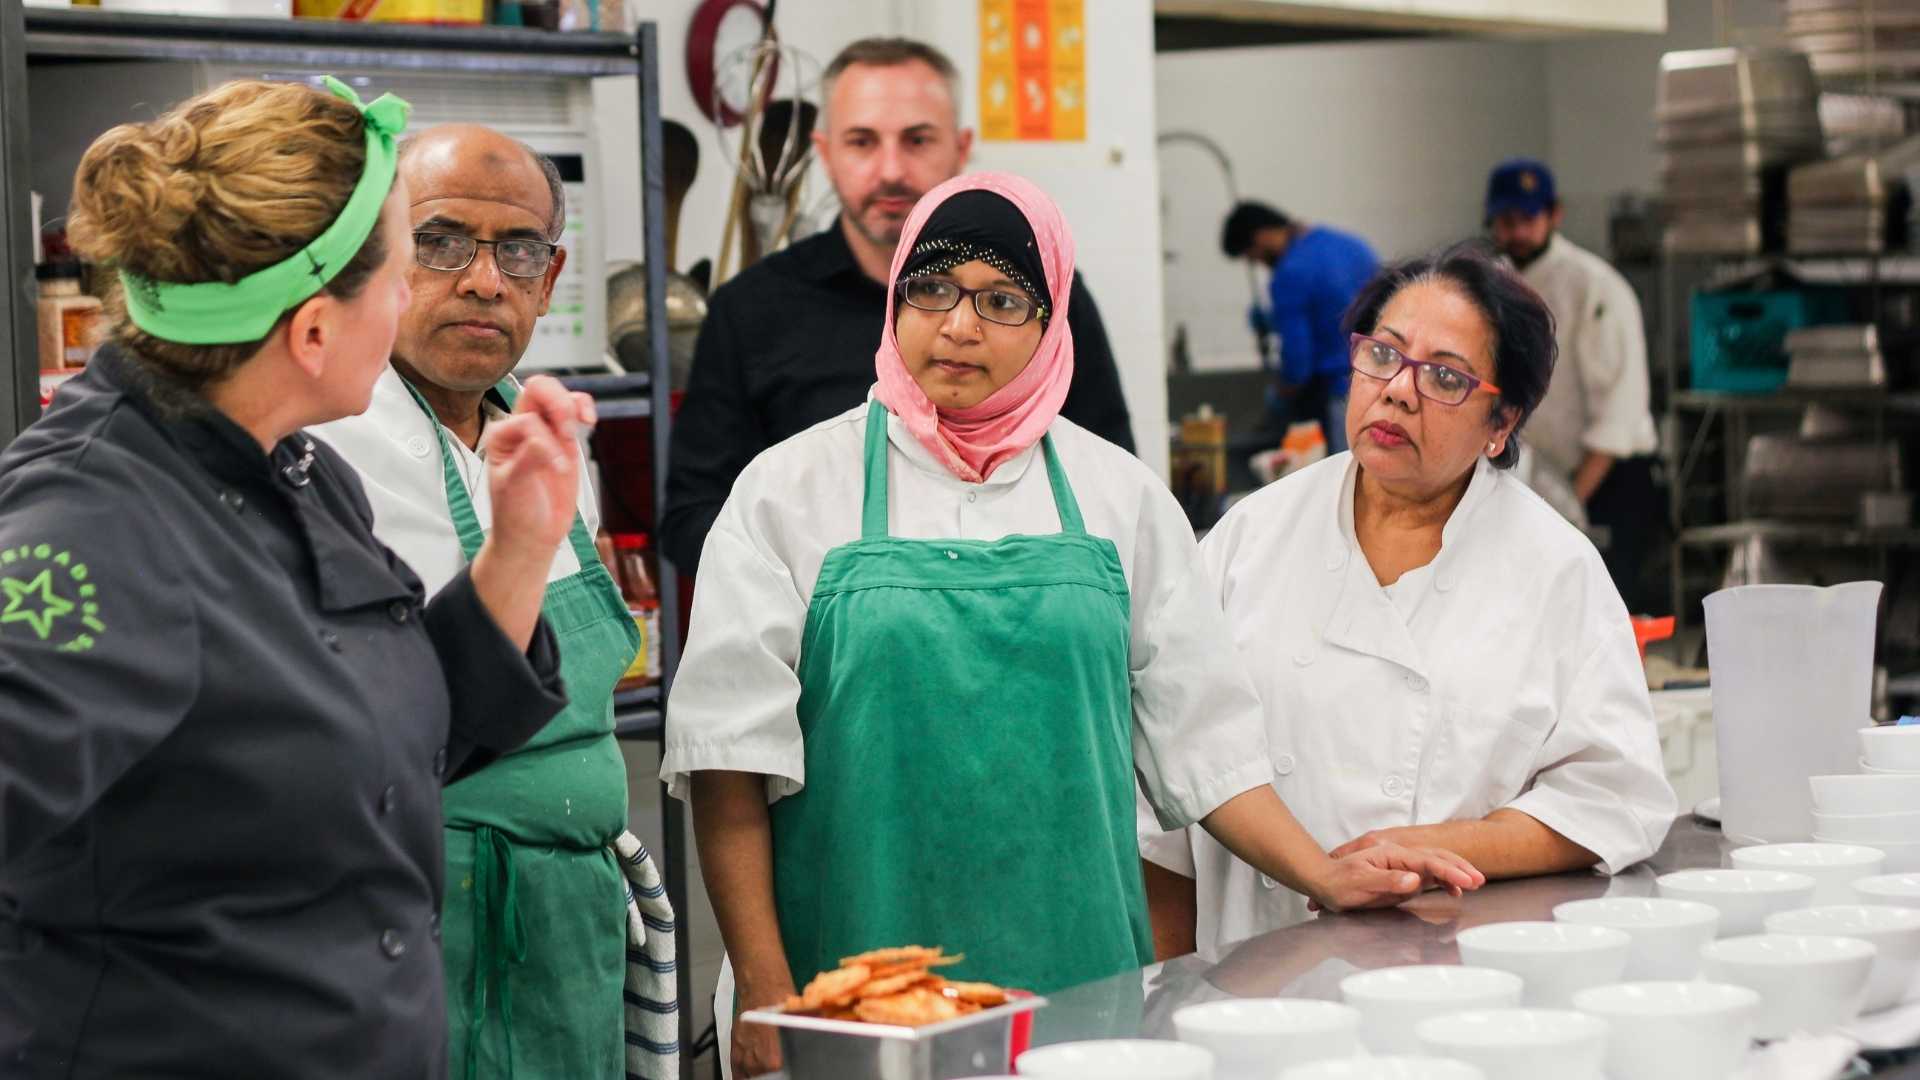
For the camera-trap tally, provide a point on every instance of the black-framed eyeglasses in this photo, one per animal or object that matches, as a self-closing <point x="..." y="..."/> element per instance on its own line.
<point x="451" y="251"/>
<point x="1434" y="381"/>
<point x="993" y="305"/>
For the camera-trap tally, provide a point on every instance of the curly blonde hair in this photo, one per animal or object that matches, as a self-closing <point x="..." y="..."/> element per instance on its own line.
<point x="218" y="187"/>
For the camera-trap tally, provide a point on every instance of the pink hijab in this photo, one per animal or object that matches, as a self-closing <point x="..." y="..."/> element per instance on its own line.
<point x="972" y="442"/>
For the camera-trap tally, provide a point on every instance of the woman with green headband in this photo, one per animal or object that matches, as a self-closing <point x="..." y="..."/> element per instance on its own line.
<point x="226" y="711"/>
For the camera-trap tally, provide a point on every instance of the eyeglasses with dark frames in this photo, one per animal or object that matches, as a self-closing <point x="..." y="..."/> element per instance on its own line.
<point x="452" y="251"/>
<point x="1432" y="380"/>
<point x="994" y="305"/>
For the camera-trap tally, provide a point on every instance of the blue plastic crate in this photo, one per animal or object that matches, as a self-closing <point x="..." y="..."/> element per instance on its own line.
<point x="1739" y="338"/>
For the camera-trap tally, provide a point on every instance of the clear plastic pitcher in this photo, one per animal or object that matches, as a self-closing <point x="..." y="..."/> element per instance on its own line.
<point x="1792" y="681"/>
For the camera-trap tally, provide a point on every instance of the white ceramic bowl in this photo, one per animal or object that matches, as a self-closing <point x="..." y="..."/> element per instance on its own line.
<point x="1251" y="1037"/>
<point x="1869" y="793"/>
<point x="1871" y="769"/>
<point x="1833" y="867"/>
<point x="1897" y="828"/>
<point x="1902" y="858"/>
<point x="1896" y="890"/>
<point x="1392" y="1000"/>
<point x="1118" y="1059"/>
<point x="1894" y="931"/>
<point x="1520" y="1044"/>
<point x="1386" y="1068"/>
<point x="1667" y="934"/>
<point x="1805" y="983"/>
<point x="1891" y="747"/>
<point x="1673" y="1030"/>
<point x="1555" y="958"/>
<point x="1745" y="897"/>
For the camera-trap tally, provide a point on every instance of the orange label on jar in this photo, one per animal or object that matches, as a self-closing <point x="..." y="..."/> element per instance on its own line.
<point x="77" y="335"/>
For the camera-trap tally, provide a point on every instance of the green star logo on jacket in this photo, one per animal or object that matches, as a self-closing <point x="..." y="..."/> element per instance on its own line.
<point x="46" y="593"/>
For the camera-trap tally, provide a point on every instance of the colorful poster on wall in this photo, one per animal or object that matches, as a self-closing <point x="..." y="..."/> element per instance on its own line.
<point x="1033" y="70"/>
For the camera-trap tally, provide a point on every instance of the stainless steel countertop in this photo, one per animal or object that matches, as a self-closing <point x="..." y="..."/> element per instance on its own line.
<point x="1309" y="960"/>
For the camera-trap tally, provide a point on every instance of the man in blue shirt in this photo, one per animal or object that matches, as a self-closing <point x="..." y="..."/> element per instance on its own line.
<point x="1317" y="271"/>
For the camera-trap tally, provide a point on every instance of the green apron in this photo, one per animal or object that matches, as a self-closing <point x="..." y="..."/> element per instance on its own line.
<point x="967" y="713"/>
<point x="535" y="921"/>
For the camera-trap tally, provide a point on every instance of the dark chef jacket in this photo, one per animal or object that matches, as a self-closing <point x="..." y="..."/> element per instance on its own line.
<point x="226" y="713"/>
<point x="790" y="343"/>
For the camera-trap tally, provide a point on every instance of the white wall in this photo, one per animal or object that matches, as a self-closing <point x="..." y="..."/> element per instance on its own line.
<point x="1391" y="141"/>
<point x="1508" y="16"/>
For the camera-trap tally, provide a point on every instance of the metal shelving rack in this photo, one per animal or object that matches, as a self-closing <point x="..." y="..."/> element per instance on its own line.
<point x="79" y="35"/>
<point x="1696" y="418"/>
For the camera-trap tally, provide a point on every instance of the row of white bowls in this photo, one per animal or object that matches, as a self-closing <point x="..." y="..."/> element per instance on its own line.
<point x="1435" y="1023"/>
<point x="1535" y="999"/>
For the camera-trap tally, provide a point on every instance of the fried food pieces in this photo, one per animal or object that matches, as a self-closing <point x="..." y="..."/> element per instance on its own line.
<point x="894" y="986"/>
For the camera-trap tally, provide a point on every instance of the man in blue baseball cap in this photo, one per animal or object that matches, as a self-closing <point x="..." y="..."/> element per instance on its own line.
<point x="1594" y="431"/>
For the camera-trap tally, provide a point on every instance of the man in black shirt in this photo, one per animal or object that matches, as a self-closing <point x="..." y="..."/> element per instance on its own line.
<point x="790" y="341"/>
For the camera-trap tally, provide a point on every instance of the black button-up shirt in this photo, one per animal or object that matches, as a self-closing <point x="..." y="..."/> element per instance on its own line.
<point x="790" y="343"/>
<point x="223" y="707"/>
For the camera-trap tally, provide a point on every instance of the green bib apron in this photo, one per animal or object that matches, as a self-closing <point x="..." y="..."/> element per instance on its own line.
<point x="535" y="922"/>
<point x="967" y="713"/>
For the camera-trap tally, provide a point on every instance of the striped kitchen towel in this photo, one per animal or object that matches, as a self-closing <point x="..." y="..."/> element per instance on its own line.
<point x="652" y="1012"/>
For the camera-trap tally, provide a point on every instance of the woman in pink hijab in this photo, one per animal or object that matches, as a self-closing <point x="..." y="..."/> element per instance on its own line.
<point x="936" y="640"/>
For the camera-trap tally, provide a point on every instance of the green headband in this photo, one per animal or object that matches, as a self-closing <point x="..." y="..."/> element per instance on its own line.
<point x="218" y="313"/>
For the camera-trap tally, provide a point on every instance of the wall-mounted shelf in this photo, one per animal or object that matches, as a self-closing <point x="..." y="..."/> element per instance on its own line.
<point x="94" y="34"/>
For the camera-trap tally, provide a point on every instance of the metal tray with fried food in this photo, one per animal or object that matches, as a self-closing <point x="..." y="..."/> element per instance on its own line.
<point x="976" y="1044"/>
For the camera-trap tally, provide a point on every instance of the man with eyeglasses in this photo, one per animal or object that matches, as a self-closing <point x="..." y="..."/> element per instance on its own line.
<point x="534" y="922"/>
<point x="790" y="341"/>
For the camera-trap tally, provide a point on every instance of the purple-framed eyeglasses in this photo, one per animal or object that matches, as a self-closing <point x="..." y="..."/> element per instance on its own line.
<point x="1431" y="380"/>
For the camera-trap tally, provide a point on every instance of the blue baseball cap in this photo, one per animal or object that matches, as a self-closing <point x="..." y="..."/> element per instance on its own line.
<point x="1521" y="184"/>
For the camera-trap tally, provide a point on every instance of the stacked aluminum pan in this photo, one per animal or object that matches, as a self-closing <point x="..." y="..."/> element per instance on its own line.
<point x="1730" y="122"/>
<point x="1789" y="476"/>
<point x="1853" y="40"/>
<point x="1835" y="356"/>
<point x="1860" y="124"/>
<point x="1843" y="206"/>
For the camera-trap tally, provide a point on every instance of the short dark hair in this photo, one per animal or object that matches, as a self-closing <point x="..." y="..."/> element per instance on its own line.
<point x="891" y="52"/>
<point x="1244" y="222"/>
<point x="556" y="192"/>
<point x="1524" y="348"/>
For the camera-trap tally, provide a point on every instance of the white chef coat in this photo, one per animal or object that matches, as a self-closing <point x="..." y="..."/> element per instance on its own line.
<point x="1597" y="399"/>
<point x="1198" y="736"/>
<point x="393" y="447"/>
<point x="1503" y="674"/>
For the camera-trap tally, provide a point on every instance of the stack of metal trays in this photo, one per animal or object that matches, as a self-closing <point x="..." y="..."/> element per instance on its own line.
<point x="1842" y="206"/>
<point x="1826" y="357"/>
<point x="1860" y="124"/>
<point x="1854" y="40"/>
<point x="1730" y="121"/>
<point x="1791" y="476"/>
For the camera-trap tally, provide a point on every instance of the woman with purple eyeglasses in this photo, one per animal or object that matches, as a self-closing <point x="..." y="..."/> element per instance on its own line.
<point x="1442" y="659"/>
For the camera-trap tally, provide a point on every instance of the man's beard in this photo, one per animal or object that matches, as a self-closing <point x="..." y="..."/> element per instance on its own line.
<point x="891" y="236"/>
<point x="1525" y="257"/>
